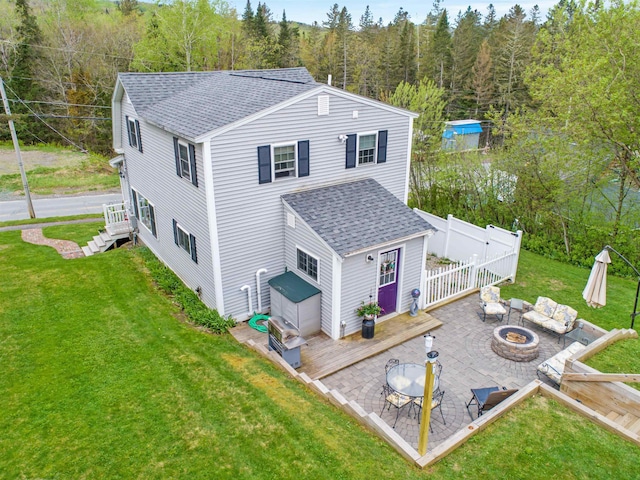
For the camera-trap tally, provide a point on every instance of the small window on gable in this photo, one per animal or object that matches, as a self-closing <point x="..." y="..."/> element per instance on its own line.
<point x="284" y="161"/>
<point x="366" y="149"/>
<point x="308" y="264"/>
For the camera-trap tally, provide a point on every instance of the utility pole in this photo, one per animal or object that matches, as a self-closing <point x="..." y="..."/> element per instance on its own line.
<point x="16" y="146"/>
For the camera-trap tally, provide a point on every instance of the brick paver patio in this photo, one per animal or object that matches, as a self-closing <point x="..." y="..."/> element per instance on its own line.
<point x="464" y="344"/>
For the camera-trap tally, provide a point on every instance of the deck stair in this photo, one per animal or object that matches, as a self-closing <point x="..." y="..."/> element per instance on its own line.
<point x="104" y="241"/>
<point x="627" y="421"/>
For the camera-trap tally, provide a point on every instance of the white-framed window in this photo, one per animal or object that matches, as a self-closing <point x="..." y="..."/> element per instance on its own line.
<point x="145" y="212"/>
<point x="284" y="161"/>
<point x="185" y="163"/>
<point x="308" y="264"/>
<point x="367" y="148"/>
<point x="133" y="134"/>
<point x="185" y="240"/>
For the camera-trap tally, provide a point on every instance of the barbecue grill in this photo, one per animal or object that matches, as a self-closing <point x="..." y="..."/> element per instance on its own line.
<point x="285" y="339"/>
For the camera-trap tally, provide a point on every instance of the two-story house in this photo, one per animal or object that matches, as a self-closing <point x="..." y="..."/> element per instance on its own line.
<point x="235" y="177"/>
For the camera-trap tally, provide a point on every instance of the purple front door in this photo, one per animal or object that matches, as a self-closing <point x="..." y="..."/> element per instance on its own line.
<point x="388" y="280"/>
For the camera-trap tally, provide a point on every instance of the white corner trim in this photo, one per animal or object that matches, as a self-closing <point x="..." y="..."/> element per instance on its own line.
<point x="336" y="299"/>
<point x="213" y="226"/>
<point x="423" y="272"/>
<point x="406" y="180"/>
<point x="116" y="116"/>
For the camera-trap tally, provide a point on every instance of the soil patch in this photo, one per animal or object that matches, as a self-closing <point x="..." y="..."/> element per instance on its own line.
<point x="36" y="158"/>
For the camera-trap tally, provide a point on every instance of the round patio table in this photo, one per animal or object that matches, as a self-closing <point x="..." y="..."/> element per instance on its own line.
<point x="408" y="379"/>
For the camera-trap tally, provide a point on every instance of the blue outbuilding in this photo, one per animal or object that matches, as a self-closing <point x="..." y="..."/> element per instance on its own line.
<point x="460" y="135"/>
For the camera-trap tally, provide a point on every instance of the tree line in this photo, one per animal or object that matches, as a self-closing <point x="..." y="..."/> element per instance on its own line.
<point x="557" y="96"/>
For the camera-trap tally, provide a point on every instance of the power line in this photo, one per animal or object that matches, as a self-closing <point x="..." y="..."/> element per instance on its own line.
<point x="48" y="115"/>
<point x="59" y="104"/>
<point x="68" y="50"/>
<point x="51" y="127"/>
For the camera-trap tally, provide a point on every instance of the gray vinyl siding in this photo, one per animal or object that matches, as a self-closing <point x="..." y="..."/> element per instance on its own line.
<point x="153" y="174"/>
<point x="360" y="279"/>
<point x="301" y="236"/>
<point x="249" y="214"/>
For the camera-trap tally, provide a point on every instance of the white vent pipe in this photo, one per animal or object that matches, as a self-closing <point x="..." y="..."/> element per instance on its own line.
<point x="248" y="289"/>
<point x="258" y="273"/>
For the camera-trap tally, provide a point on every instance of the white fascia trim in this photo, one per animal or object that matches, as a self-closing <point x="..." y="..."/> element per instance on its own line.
<point x="423" y="273"/>
<point x="368" y="101"/>
<point x="213" y="226"/>
<point x="406" y="180"/>
<point x="390" y="243"/>
<point x="316" y="91"/>
<point x="257" y="115"/>
<point x="336" y="299"/>
<point x="116" y="116"/>
<point x="312" y="231"/>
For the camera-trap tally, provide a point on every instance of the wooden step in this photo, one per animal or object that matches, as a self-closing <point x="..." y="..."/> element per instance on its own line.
<point x="106" y="237"/>
<point x="93" y="246"/>
<point x="87" y="251"/>
<point x="626" y="420"/>
<point x="612" y="416"/>
<point x="635" y="426"/>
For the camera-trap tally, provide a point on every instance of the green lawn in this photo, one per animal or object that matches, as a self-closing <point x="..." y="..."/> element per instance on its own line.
<point x="101" y="378"/>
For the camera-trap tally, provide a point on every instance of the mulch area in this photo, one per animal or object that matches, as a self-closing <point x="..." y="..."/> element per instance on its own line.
<point x="66" y="248"/>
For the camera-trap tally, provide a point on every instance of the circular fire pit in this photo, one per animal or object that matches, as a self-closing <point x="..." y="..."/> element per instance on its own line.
<point x="515" y="343"/>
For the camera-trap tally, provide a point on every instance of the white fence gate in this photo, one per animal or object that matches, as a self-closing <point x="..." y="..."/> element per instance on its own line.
<point x="481" y="256"/>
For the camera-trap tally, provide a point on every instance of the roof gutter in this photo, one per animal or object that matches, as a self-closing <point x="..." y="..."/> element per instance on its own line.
<point x="424" y="233"/>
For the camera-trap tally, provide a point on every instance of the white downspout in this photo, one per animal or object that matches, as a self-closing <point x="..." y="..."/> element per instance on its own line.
<point x="248" y="289"/>
<point x="258" y="273"/>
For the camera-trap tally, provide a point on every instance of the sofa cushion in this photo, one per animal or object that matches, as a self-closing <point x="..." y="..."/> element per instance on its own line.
<point x="545" y="306"/>
<point x="565" y="315"/>
<point x="556" y="326"/>
<point x="554" y="366"/>
<point x="490" y="294"/>
<point x="535" y="317"/>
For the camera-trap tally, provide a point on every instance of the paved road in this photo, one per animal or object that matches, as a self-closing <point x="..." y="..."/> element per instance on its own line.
<point x="56" y="206"/>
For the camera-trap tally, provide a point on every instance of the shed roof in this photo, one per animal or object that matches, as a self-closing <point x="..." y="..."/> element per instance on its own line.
<point x="194" y="103"/>
<point x="293" y="287"/>
<point x="354" y="216"/>
<point x="461" y="127"/>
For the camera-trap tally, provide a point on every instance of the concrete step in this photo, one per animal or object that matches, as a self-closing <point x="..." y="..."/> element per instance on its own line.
<point x="99" y="241"/>
<point x="87" y="251"/>
<point x="93" y="247"/>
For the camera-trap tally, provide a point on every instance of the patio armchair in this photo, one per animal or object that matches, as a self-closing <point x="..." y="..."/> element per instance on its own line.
<point x="487" y="398"/>
<point x="554" y="367"/>
<point x="391" y="397"/>
<point x="436" y="402"/>
<point x="491" y="302"/>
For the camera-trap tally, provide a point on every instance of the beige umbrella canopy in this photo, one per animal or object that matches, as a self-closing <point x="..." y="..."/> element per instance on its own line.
<point x="595" y="293"/>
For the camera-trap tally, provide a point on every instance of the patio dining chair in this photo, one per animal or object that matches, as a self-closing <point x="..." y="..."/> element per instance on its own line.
<point x="491" y="303"/>
<point x="391" y="397"/>
<point x="487" y="398"/>
<point x="436" y="402"/>
<point x="392" y="362"/>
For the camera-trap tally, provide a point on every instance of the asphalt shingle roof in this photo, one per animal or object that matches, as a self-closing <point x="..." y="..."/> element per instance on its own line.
<point x="356" y="215"/>
<point x="194" y="103"/>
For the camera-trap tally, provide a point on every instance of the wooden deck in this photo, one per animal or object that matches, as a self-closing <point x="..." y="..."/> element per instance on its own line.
<point x="324" y="356"/>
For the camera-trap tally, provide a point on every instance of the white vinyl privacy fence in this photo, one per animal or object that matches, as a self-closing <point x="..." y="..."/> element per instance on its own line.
<point x="480" y="257"/>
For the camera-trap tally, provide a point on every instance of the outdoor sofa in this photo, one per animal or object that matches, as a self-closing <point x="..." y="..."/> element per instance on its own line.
<point x="554" y="366"/>
<point x="554" y="317"/>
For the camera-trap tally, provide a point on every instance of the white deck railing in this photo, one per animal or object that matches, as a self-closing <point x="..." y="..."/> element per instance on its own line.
<point x="115" y="218"/>
<point x="460" y="277"/>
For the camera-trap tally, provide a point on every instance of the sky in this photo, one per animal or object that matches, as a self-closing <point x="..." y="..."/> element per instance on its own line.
<point x="310" y="10"/>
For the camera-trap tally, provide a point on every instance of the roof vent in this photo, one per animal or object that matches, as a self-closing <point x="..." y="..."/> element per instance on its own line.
<point x="291" y="220"/>
<point x="323" y="105"/>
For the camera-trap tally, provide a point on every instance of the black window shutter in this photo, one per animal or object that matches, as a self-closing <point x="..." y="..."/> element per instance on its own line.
<point x="382" y="146"/>
<point x="126" y="120"/>
<point x="192" y="161"/>
<point x="176" y="151"/>
<point x="152" y="214"/>
<point x="264" y="164"/>
<point x="194" y="254"/>
<point x="134" y="200"/>
<point x="303" y="158"/>
<point x="175" y="231"/>
<point x="351" y="150"/>
<point x="139" y="137"/>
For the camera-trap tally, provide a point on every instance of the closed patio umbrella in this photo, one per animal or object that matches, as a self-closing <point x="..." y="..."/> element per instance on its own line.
<point x="595" y="293"/>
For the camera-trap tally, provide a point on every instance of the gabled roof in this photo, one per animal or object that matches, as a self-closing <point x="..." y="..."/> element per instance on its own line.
<point x="193" y="103"/>
<point x="355" y="216"/>
<point x="197" y="105"/>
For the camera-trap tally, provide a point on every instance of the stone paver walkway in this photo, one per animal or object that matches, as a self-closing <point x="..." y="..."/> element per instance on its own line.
<point x="464" y="344"/>
<point x="66" y="248"/>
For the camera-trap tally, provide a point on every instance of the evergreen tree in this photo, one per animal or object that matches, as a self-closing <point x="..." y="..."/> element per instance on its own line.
<point x="483" y="78"/>
<point x="127" y="7"/>
<point x="441" y="56"/>
<point x="288" y="42"/>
